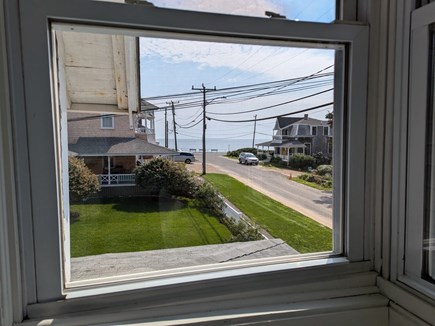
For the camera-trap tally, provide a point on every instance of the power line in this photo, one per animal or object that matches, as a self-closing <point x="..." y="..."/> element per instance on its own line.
<point x="275" y="116"/>
<point x="273" y="106"/>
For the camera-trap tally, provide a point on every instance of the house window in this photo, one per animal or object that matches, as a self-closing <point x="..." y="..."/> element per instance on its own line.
<point x="46" y="205"/>
<point x="107" y="122"/>
<point x="325" y="131"/>
<point x="314" y="131"/>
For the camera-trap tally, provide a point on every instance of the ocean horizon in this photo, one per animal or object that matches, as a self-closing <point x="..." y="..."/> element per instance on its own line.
<point x="222" y="145"/>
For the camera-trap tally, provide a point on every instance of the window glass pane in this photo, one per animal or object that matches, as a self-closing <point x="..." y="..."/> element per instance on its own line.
<point x="107" y="122"/>
<point x="429" y="225"/>
<point x="215" y="163"/>
<point x="298" y="10"/>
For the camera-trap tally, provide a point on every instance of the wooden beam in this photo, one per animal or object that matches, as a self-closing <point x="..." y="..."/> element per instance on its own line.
<point x="97" y="108"/>
<point x="119" y="71"/>
<point x="131" y="68"/>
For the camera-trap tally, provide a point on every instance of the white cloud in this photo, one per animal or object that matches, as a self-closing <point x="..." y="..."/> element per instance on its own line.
<point x="273" y="62"/>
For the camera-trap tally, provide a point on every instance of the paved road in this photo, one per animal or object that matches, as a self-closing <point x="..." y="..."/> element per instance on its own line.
<point x="311" y="202"/>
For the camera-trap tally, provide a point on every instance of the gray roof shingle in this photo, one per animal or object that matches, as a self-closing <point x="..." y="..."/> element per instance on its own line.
<point x="116" y="146"/>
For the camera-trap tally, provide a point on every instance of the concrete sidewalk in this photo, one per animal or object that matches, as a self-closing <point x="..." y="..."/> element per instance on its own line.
<point x="106" y="265"/>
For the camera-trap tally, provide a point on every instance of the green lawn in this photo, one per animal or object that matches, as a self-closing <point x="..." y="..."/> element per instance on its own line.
<point x="143" y="223"/>
<point x="299" y="231"/>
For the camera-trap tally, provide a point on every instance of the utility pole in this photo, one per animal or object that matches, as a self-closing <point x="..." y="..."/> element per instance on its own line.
<point x="255" y="125"/>
<point x="204" y="125"/>
<point x="173" y="118"/>
<point x="166" y="128"/>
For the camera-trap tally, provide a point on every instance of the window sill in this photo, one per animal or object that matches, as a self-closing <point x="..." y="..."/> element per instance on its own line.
<point x="271" y="284"/>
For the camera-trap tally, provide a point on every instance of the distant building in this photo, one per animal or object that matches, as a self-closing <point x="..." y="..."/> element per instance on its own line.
<point x="300" y="135"/>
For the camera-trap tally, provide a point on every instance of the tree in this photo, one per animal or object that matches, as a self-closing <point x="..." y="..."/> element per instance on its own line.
<point x="82" y="181"/>
<point x="330" y="117"/>
<point x="161" y="174"/>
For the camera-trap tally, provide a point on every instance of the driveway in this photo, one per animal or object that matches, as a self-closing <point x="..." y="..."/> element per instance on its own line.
<point x="274" y="183"/>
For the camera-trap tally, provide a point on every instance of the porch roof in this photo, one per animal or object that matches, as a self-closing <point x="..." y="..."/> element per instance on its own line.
<point x="292" y="144"/>
<point x="267" y="143"/>
<point x="116" y="146"/>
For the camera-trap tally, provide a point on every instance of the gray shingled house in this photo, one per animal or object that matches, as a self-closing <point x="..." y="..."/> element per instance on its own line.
<point x="300" y="135"/>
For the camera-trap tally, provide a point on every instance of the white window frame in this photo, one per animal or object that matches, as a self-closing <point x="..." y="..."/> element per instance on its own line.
<point x="411" y="225"/>
<point x="44" y="281"/>
<point x="112" y="119"/>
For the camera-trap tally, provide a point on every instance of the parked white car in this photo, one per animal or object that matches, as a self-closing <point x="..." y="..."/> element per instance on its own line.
<point x="185" y="157"/>
<point x="248" y="158"/>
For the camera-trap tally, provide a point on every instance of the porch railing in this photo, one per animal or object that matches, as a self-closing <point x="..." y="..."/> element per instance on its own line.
<point x="116" y="179"/>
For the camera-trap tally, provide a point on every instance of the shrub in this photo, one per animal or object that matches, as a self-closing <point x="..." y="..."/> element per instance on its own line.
<point x="276" y="160"/>
<point x="82" y="181"/>
<point x="322" y="159"/>
<point x="208" y="199"/>
<point x="241" y="231"/>
<point x="262" y="157"/>
<point x="160" y="174"/>
<point x="237" y="152"/>
<point x="301" y="161"/>
<point x="324" y="170"/>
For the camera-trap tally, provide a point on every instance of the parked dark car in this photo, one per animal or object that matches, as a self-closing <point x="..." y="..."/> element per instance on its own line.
<point x="248" y="158"/>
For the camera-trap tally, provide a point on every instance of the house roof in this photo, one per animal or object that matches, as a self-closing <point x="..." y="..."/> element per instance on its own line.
<point x="267" y="143"/>
<point x="293" y="143"/>
<point x="116" y="146"/>
<point x="284" y="122"/>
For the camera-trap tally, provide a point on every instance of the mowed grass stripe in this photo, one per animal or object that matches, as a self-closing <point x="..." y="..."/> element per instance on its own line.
<point x="137" y="224"/>
<point x="298" y="231"/>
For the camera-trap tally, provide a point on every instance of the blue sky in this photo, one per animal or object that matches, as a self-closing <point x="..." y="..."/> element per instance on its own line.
<point x="174" y="66"/>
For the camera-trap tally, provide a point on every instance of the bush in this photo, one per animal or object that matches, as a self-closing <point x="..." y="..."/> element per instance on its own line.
<point x="262" y="157"/>
<point x="324" y="170"/>
<point x="241" y="231"/>
<point x="160" y="174"/>
<point x="324" y="181"/>
<point x="208" y="199"/>
<point x="301" y="161"/>
<point x="82" y="181"/>
<point x="237" y="152"/>
<point x="322" y="159"/>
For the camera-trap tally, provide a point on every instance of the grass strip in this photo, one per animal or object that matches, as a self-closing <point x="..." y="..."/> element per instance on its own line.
<point x="298" y="231"/>
<point x="142" y="223"/>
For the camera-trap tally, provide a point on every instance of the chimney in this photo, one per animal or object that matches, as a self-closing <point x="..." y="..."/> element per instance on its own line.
<point x="305" y="116"/>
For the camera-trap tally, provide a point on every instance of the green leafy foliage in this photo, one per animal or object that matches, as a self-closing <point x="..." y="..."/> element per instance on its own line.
<point x="162" y="175"/>
<point x="324" y="170"/>
<point x="242" y="231"/>
<point x="208" y="199"/>
<point x="301" y="161"/>
<point x="237" y="152"/>
<point x="322" y="159"/>
<point x="82" y="181"/>
<point x="322" y="176"/>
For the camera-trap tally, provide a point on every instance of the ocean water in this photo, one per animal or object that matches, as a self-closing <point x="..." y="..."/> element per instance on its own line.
<point x="212" y="144"/>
